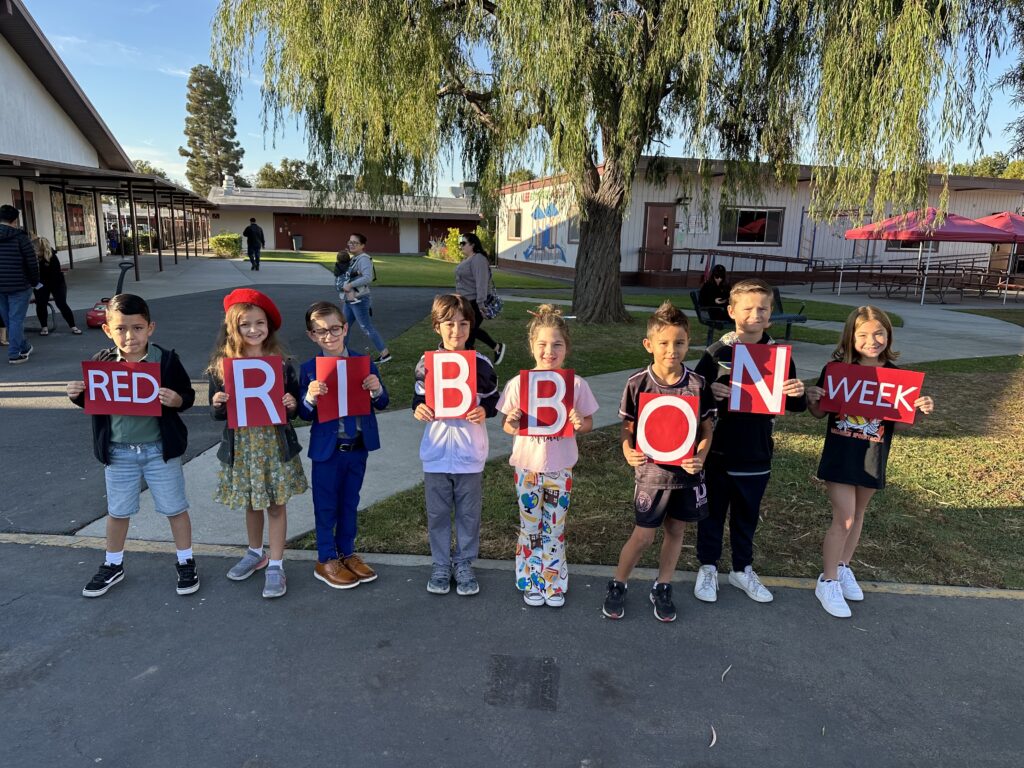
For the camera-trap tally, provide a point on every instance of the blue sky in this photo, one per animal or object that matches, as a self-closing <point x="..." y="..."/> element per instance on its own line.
<point x="132" y="60"/>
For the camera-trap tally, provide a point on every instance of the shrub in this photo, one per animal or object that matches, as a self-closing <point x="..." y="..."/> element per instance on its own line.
<point x="226" y="245"/>
<point x="452" y="251"/>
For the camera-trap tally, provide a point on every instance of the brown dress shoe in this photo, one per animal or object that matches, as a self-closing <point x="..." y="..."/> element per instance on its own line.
<point x="334" y="574"/>
<point x="363" y="572"/>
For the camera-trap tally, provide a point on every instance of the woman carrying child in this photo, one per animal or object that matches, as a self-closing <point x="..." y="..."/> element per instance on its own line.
<point x="854" y="457"/>
<point x="543" y="468"/>
<point x="261" y="468"/>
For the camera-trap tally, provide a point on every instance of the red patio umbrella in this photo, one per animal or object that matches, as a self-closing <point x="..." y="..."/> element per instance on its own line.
<point x="921" y="229"/>
<point x="1007" y="222"/>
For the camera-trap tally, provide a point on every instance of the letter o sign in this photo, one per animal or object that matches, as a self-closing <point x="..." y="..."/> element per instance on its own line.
<point x="667" y="427"/>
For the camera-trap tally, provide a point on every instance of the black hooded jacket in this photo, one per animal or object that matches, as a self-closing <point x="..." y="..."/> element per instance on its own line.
<point x="19" y="269"/>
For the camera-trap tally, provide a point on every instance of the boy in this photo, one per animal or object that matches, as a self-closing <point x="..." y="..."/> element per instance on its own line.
<point x="453" y="452"/>
<point x="133" y="448"/>
<point x="669" y="495"/>
<point x="741" y="461"/>
<point x="339" y="449"/>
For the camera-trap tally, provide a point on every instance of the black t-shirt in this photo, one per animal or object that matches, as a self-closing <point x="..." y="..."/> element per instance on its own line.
<point x="856" y="448"/>
<point x="651" y="475"/>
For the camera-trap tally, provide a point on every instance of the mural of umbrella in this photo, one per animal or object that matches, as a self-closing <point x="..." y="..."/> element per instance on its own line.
<point x="917" y="228"/>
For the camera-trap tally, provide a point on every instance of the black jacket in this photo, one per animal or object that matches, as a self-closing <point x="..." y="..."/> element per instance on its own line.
<point x="254" y="231"/>
<point x="19" y="268"/>
<point x="173" y="433"/>
<point x="50" y="274"/>
<point x="287" y="440"/>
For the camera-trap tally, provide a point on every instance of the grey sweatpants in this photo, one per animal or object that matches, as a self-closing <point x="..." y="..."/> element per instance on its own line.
<point x="465" y="494"/>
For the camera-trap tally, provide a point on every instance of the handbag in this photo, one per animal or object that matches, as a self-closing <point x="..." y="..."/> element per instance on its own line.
<point x="493" y="304"/>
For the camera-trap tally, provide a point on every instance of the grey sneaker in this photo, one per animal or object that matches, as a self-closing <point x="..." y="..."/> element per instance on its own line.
<point x="465" y="580"/>
<point x="276" y="584"/>
<point x="248" y="565"/>
<point x="440" y="580"/>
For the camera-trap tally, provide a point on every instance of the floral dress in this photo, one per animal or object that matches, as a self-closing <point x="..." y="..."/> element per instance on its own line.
<point x="258" y="477"/>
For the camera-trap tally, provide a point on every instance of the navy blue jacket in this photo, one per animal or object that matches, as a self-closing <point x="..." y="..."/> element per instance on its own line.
<point x="19" y="268"/>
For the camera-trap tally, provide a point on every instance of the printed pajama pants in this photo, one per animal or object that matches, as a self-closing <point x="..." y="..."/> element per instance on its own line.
<point x="540" y="551"/>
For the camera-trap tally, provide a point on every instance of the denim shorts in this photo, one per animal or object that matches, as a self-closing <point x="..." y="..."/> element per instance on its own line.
<point x="129" y="465"/>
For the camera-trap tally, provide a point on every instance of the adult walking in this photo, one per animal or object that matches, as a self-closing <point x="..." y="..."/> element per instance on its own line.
<point x="472" y="280"/>
<point x="19" y="273"/>
<point x="254" y="242"/>
<point x="354" y="290"/>
<point x="53" y="284"/>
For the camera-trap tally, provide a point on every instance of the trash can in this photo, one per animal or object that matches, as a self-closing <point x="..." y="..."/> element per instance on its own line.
<point x="296" y="242"/>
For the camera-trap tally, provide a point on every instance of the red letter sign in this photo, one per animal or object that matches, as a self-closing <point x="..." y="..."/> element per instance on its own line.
<point x="345" y="394"/>
<point x="545" y="398"/>
<point x="121" y="388"/>
<point x="871" y="391"/>
<point x="451" y="383"/>
<point x="667" y="427"/>
<point x="758" y="373"/>
<point x="256" y="389"/>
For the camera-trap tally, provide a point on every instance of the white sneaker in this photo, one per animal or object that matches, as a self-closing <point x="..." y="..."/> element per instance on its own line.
<point x="830" y="595"/>
<point x="533" y="597"/>
<point x="747" y="581"/>
<point x="848" y="583"/>
<point x="706" y="586"/>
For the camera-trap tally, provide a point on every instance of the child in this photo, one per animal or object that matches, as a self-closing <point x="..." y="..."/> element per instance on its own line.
<point x="339" y="449"/>
<point x="740" y="462"/>
<point x="853" y="458"/>
<point x="453" y="452"/>
<point x="673" y="495"/>
<point x="133" y="448"/>
<point x="543" y="469"/>
<point x="260" y="468"/>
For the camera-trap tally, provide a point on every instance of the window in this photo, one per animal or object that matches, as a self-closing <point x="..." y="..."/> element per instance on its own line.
<point x="573" y="226"/>
<point x="750" y="226"/>
<point x="515" y="225"/>
<point x="911" y="245"/>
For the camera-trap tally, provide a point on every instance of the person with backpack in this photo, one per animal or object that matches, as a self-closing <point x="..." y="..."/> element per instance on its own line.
<point x="353" y="284"/>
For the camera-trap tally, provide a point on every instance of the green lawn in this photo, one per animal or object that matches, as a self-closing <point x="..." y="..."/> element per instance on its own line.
<point x="952" y="512"/>
<point x="414" y="271"/>
<point x="1009" y="315"/>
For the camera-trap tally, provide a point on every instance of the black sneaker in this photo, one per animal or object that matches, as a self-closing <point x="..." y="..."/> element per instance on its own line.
<point x="499" y="353"/>
<point x="188" y="577"/>
<point x="664" y="608"/>
<point x="106" y="577"/>
<point x="383" y="358"/>
<point x="22" y="358"/>
<point x="615" y="601"/>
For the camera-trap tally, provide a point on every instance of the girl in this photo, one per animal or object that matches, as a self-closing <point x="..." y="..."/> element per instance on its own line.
<point x="854" y="457"/>
<point x="260" y="468"/>
<point x="53" y="284"/>
<point x="543" y="469"/>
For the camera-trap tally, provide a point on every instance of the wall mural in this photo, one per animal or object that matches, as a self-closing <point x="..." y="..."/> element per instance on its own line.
<point x="82" y="212"/>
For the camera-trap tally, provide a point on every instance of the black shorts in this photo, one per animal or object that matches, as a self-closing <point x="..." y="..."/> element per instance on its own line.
<point x="653" y="505"/>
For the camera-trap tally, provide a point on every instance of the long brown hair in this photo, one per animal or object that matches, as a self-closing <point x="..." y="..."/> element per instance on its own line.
<point x="231" y="344"/>
<point x="845" y="352"/>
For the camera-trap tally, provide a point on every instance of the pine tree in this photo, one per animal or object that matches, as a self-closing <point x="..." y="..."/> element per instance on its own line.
<point x="213" y="152"/>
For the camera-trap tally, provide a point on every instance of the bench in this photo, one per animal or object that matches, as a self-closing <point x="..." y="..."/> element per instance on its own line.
<point x="706" y="320"/>
<point x="779" y="315"/>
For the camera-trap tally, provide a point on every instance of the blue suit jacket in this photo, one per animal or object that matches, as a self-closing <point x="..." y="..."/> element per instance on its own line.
<point x="323" y="437"/>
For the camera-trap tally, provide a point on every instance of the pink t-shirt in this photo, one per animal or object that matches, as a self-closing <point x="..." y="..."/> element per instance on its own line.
<point x="546" y="454"/>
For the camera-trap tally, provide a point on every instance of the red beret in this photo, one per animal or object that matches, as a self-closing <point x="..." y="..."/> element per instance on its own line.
<point x="249" y="296"/>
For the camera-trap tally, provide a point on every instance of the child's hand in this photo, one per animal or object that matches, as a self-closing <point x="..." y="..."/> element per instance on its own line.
<point x="514" y="417"/>
<point x="75" y="388"/>
<point x="423" y="412"/>
<point x="477" y="415"/>
<point x="316" y="390"/>
<point x="793" y="388"/>
<point x="372" y="384"/>
<point x="220" y="399"/>
<point x="289" y="402"/>
<point x="719" y="390"/>
<point x="693" y="465"/>
<point x="925" y="404"/>
<point x="169" y="397"/>
<point x="634" y="457"/>
<point x="576" y="419"/>
<point x="814" y="394"/>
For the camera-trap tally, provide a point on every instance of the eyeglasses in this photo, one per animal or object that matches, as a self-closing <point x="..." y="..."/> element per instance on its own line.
<point x="334" y="330"/>
<point x="463" y="242"/>
<point x="354" y="242"/>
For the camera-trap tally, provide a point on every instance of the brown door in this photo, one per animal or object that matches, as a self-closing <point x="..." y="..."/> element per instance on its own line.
<point x="659" y="230"/>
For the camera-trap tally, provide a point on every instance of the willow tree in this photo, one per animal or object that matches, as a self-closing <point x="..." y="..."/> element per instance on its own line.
<point x="870" y="89"/>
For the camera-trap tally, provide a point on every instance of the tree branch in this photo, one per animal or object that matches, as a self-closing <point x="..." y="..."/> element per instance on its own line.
<point x="477" y="101"/>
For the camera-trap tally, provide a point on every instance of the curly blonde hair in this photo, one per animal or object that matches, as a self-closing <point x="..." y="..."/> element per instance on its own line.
<point x="231" y="344"/>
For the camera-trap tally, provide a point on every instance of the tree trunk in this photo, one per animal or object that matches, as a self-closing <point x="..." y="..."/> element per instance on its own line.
<point x="597" y="291"/>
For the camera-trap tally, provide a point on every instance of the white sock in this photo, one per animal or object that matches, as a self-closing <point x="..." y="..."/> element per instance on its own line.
<point x="114" y="558"/>
<point x="257" y="552"/>
<point x="277" y="563"/>
<point x="184" y="555"/>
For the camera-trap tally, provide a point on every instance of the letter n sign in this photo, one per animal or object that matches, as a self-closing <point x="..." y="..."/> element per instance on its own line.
<point x="451" y="383"/>
<point x="122" y="388"/>
<point x="256" y="390"/>
<point x="545" y="398"/>
<point x="758" y="373"/>
<point x="667" y="426"/>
